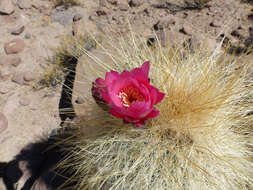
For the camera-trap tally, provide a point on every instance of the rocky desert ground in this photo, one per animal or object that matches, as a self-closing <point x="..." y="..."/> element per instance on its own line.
<point x="30" y="29"/>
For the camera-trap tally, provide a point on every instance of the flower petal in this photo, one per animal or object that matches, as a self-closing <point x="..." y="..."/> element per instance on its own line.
<point x="139" y="123"/>
<point x="110" y="77"/>
<point x="141" y="74"/>
<point x="145" y="68"/>
<point x="116" y="113"/>
<point x="156" y="95"/>
<point x="99" y="82"/>
<point x="152" y="114"/>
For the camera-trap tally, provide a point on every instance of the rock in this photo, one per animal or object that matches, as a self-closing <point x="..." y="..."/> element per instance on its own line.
<point x="192" y="44"/>
<point x="28" y="76"/>
<point x="102" y="3"/>
<point x="136" y="3"/>
<point x="236" y="33"/>
<point x="24" y="4"/>
<point x="101" y="11"/>
<point x="148" y="11"/>
<point x="63" y="16"/>
<point x="24" y="101"/>
<point x="186" y="30"/>
<point x="76" y="29"/>
<point x="28" y="36"/>
<point x="5" y="73"/>
<point x="101" y="25"/>
<point x="11" y="105"/>
<point x="198" y="4"/>
<point x="3" y="123"/>
<point x="18" y="30"/>
<point x="77" y="17"/>
<point x="14" y="46"/>
<point x="93" y="17"/>
<point x="79" y="100"/>
<point x="212" y="44"/>
<point x="164" y="23"/>
<point x="15" y="61"/>
<point x="36" y="5"/>
<point x="18" y="78"/>
<point x="162" y="37"/>
<point x="113" y="2"/>
<point x="45" y="20"/>
<point x="123" y="6"/>
<point x="2" y="60"/>
<point x="6" y="7"/>
<point x="6" y="87"/>
<point x="3" y="90"/>
<point x="175" y="38"/>
<point x="10" y="60"/>
<point x="216" y="23"/>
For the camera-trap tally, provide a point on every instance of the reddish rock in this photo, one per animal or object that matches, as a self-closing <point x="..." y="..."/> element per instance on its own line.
<point x="28" y="76"/>
<point x="10" y="60"/>
<point x="5" y="73"/>
<point x="6" y="7"/>
<point x="18" y="30"/>
<point x="3" y="122"/>
<point x="14" y="46"/>
<point x="18" y="78"/>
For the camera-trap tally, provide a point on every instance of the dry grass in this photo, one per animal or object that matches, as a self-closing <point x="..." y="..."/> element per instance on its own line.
<point x="202" y="138"/>
<point x="60" y="63"/>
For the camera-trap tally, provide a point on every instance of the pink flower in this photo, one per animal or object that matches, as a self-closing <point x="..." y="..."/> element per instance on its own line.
<point x="128" y="94"/>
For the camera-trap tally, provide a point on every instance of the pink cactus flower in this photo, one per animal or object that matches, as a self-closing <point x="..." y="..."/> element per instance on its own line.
<point x="128" y="94"/>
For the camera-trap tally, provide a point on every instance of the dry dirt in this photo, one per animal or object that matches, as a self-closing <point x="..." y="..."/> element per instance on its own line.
<point x="33" y="112"/>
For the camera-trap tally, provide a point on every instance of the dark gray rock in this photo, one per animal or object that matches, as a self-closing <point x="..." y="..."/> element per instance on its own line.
<point x="64" y="17"/>
<point x="18" y="30"/>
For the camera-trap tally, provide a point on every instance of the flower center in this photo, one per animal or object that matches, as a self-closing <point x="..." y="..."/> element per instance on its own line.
<point x="129" y="95"/>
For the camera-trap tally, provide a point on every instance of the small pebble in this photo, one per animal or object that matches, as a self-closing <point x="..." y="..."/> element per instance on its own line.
<point x="28" y="76"/>
<point x="28" y="36"/>
<point x="79" y="100"/>
<point x="77" y="17"/>
<point x="24" y="101"/>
